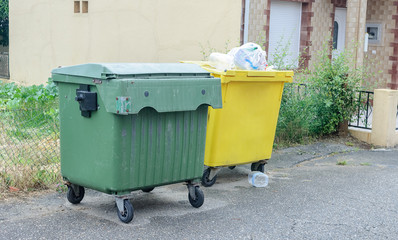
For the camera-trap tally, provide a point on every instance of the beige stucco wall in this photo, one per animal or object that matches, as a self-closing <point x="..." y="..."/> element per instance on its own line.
<point x="45" y="34"/>
<point x="381" y="11"/>
<point x="384" y="120"/>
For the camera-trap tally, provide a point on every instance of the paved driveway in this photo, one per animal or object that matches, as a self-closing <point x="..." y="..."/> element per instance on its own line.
<point x="309" y="196"/>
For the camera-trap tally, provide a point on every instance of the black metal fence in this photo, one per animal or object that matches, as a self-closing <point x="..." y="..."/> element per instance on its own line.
<point x="29" y="149"/>
<point x="363" y="116"/>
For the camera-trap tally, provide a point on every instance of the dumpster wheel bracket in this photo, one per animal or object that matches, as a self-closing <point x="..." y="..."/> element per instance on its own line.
<point x="213" y="172"/>
<point x="209" y="176"/>
<point x="125" y="210"/>
<point x="75" y="193"/>
<point x="120" y="203"/>
<point x="192" y="189"/>
<point x="195" y="195"/>
<point x="258" y="166"/>
<point x="76" y="189"/>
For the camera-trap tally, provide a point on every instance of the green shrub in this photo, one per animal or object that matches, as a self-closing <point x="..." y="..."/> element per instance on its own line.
<point x="328" y="98"/>
<point x="38" y="103"/>
<point x="13" y="96"/>
<point x="333" y="86"/>
<point x="295" y="116"/>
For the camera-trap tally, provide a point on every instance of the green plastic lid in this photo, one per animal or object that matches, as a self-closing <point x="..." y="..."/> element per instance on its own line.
<point x="121" y="70"/>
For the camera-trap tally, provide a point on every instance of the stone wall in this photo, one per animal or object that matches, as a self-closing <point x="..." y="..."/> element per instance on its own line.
<point x="322" y="23"/>
<point x="394" y="44"/>
<point x="257" y="21"/>
<point x="355" y="29"/>
<point x="378" y="55"/>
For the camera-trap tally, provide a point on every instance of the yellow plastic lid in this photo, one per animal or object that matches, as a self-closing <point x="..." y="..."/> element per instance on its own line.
<point x="246" y="75"/>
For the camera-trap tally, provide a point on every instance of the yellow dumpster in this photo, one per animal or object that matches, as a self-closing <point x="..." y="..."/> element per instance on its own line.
<point x="243" y="130"/>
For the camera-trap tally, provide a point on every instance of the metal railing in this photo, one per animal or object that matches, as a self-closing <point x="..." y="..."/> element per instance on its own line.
<point x="302" y="89"/>
<point x="363" y="117"/>
<point x="4" y="69"/>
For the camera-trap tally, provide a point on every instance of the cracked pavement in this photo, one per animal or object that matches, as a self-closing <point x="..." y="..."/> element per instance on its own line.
<point x="309" y="196"/>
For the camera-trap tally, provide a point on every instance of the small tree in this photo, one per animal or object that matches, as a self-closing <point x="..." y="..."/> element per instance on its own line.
<point x="334" y="84"/>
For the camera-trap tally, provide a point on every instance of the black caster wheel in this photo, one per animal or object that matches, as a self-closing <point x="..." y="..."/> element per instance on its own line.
<point x="205" y="178"/>
<point x="232" y="167"/>
<point x="128" y="213"/>
<point x="200" y="198"/>
<point x="257" y="167"/>
<point x="71" y="195"/>
<point x="147" y="190"/>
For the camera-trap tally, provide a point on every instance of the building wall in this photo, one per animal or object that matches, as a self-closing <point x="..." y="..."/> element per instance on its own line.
<point x="306" y="32"/>
<point x="322" y="23"/>
<point x="394" y="44"/>
<point x="355" y="29"/>
<point x="257" y="21"/>
<point x="259" y="24"/>
<point x="378" y="54"/>
<point x="45" y="34"/>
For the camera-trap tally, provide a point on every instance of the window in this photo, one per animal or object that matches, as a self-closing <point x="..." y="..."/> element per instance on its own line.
<point x="80" y="6"/>
<point x="335" y="34"/>
<point x="284" y="32"/>
<point x="85" y="7"/>
<point x="77" y="7"/>
<point x="375" y="32"/>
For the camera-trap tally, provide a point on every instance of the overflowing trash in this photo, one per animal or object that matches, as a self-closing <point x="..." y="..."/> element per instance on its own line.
<point x="221" y="61"/>
<point x="249" y="56"/>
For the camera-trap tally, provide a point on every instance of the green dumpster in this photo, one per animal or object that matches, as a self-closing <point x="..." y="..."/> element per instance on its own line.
<point x="133" y="126"/>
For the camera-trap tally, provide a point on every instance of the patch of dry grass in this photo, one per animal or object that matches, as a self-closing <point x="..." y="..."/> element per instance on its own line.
<point x="29" y="177"/>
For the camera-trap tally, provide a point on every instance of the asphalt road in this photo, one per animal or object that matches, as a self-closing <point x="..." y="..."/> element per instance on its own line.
<point x="309" y="196"/>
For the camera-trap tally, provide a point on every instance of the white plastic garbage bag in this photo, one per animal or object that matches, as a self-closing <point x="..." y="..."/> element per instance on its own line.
<point x="249" y="56"/>
<point x="221" y="61"/>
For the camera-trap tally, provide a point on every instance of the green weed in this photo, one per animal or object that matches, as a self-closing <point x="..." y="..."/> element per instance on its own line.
<point x="365" y="164"/>
<point x="342" y="163"/>
<point x="61" y="187"/>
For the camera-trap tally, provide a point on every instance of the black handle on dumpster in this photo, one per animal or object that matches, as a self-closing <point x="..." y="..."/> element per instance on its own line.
<point x="80" y="98"/>
<point x="87" y="100"/>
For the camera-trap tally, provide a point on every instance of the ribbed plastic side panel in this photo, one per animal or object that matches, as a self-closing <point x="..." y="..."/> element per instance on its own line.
<point x="167" y="147"/>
